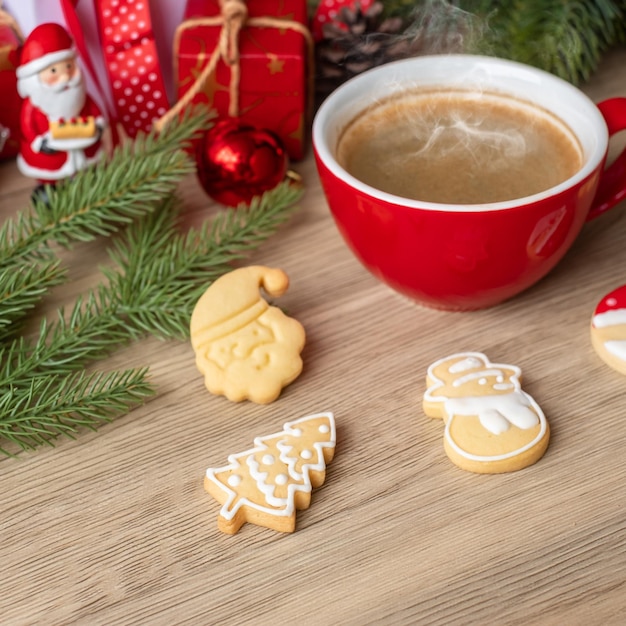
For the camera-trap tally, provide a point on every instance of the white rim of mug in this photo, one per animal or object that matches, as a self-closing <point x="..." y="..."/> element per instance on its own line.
<point x="342" y="100"/>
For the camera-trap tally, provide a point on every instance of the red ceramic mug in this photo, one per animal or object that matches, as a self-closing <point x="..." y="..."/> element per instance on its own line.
<point x="468" y="256"/>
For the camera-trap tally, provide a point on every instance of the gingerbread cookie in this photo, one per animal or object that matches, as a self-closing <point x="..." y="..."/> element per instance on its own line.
<point x="246" y="348"/>
<point x="267" y="484"/>
<point x="78" y="128"/>
<point x="608" y="329"/>
<point x="491" y="425"/>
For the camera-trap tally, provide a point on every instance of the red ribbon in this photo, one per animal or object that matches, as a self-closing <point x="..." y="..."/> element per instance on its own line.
<point x="132" y="61"/>
<point x="75" y="28"/>
<point x="130" y="55"/>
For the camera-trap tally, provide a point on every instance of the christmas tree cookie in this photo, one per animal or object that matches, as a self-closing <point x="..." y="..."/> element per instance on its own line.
<point x="491" y="425"/>
<point x="267" y="484"/>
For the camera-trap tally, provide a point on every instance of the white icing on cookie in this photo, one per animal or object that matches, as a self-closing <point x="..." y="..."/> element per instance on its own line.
<point x="291" y="478"/>
<point x="261" y="477"/>
<point x="613" y="317"/>
<point x="616" y="347"/>
<point x="483" y="373"/>
<point x="501" y="457"/>
<point x="501" y="386"/>
<point x="496" y="412"/>
<point x="463" y="365"/>
<point x="234" y="480"/>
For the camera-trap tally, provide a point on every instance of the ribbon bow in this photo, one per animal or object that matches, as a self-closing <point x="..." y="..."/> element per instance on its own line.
<point x="235" y="14"/>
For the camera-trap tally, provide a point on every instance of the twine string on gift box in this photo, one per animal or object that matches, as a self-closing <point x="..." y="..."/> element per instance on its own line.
<point x="232" y="18"/>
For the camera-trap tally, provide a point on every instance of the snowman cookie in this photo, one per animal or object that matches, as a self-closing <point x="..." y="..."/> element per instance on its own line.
<point x="608" y="329"/>
<point x="491" y="425"/>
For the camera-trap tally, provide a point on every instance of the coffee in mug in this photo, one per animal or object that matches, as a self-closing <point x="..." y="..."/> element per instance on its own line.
<point x="468" y="250"/>
<point x="458" y="147"/>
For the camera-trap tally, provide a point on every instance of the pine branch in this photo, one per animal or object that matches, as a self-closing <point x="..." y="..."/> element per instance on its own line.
<point x="92" y="331"/>
<point x="22" y="287"/>
<point x="52" y="406"/>
<point x="564" y="38"/>
<point x="96" y="202"/>
<point x="99" y="199"/>
<point x="620" y="23"/>
<point x="161" y="275"/>
<point x="164" y="272"/>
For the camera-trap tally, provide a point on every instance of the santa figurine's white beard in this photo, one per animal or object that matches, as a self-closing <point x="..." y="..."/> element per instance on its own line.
<point x="61" y="100"/>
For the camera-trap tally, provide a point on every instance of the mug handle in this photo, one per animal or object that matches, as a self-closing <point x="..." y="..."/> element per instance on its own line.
<point x="612" y="186"/>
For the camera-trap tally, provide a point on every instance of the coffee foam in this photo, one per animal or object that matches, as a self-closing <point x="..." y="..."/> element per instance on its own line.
<point x="464" y="129"/>
<point x="466" y="136"/>
<point x="460" y="132"/>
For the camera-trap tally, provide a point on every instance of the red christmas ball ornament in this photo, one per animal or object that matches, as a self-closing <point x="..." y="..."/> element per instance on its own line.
<point x="237" y="161"/>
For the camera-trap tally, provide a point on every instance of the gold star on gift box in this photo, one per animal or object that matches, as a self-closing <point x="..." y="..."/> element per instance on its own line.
<point x="275" y="65"/>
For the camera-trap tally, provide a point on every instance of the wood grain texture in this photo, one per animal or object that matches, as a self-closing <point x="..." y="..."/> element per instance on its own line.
<point x="115" y="527"/>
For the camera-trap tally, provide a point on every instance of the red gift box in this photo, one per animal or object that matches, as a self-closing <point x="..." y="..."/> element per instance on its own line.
<point x="269" y="79"/>
<point x="11" y="101"/>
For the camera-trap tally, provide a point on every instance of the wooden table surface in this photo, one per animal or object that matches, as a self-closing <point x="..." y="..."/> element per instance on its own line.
<point x="115" y="527"/>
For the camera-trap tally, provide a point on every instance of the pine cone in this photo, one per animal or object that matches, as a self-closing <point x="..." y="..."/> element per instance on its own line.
<point x="357" y="41"/>
<point x="354" y="42"/>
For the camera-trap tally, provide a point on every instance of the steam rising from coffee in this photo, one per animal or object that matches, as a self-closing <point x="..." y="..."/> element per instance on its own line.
<point x="473" y="137"/>
<point x="439" y="27"/>
<point x="458" y="146"/>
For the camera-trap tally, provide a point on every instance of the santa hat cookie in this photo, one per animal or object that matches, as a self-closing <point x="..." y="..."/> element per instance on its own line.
<point x="246" y="348"/>
<point x="491" y="425"/>
<point x="608" y="329"/>
<point x="47" y="44"/>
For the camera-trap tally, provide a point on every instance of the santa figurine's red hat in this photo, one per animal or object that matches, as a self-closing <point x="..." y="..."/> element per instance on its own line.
<point x="46" y="44"/>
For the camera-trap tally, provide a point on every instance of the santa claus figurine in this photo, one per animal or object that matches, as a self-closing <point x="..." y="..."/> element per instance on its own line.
<point x="61" y="125"/>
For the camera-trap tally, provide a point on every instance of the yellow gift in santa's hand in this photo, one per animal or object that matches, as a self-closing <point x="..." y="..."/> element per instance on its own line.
<point x="245" y="348"/>
<point x="75" y="128"/>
